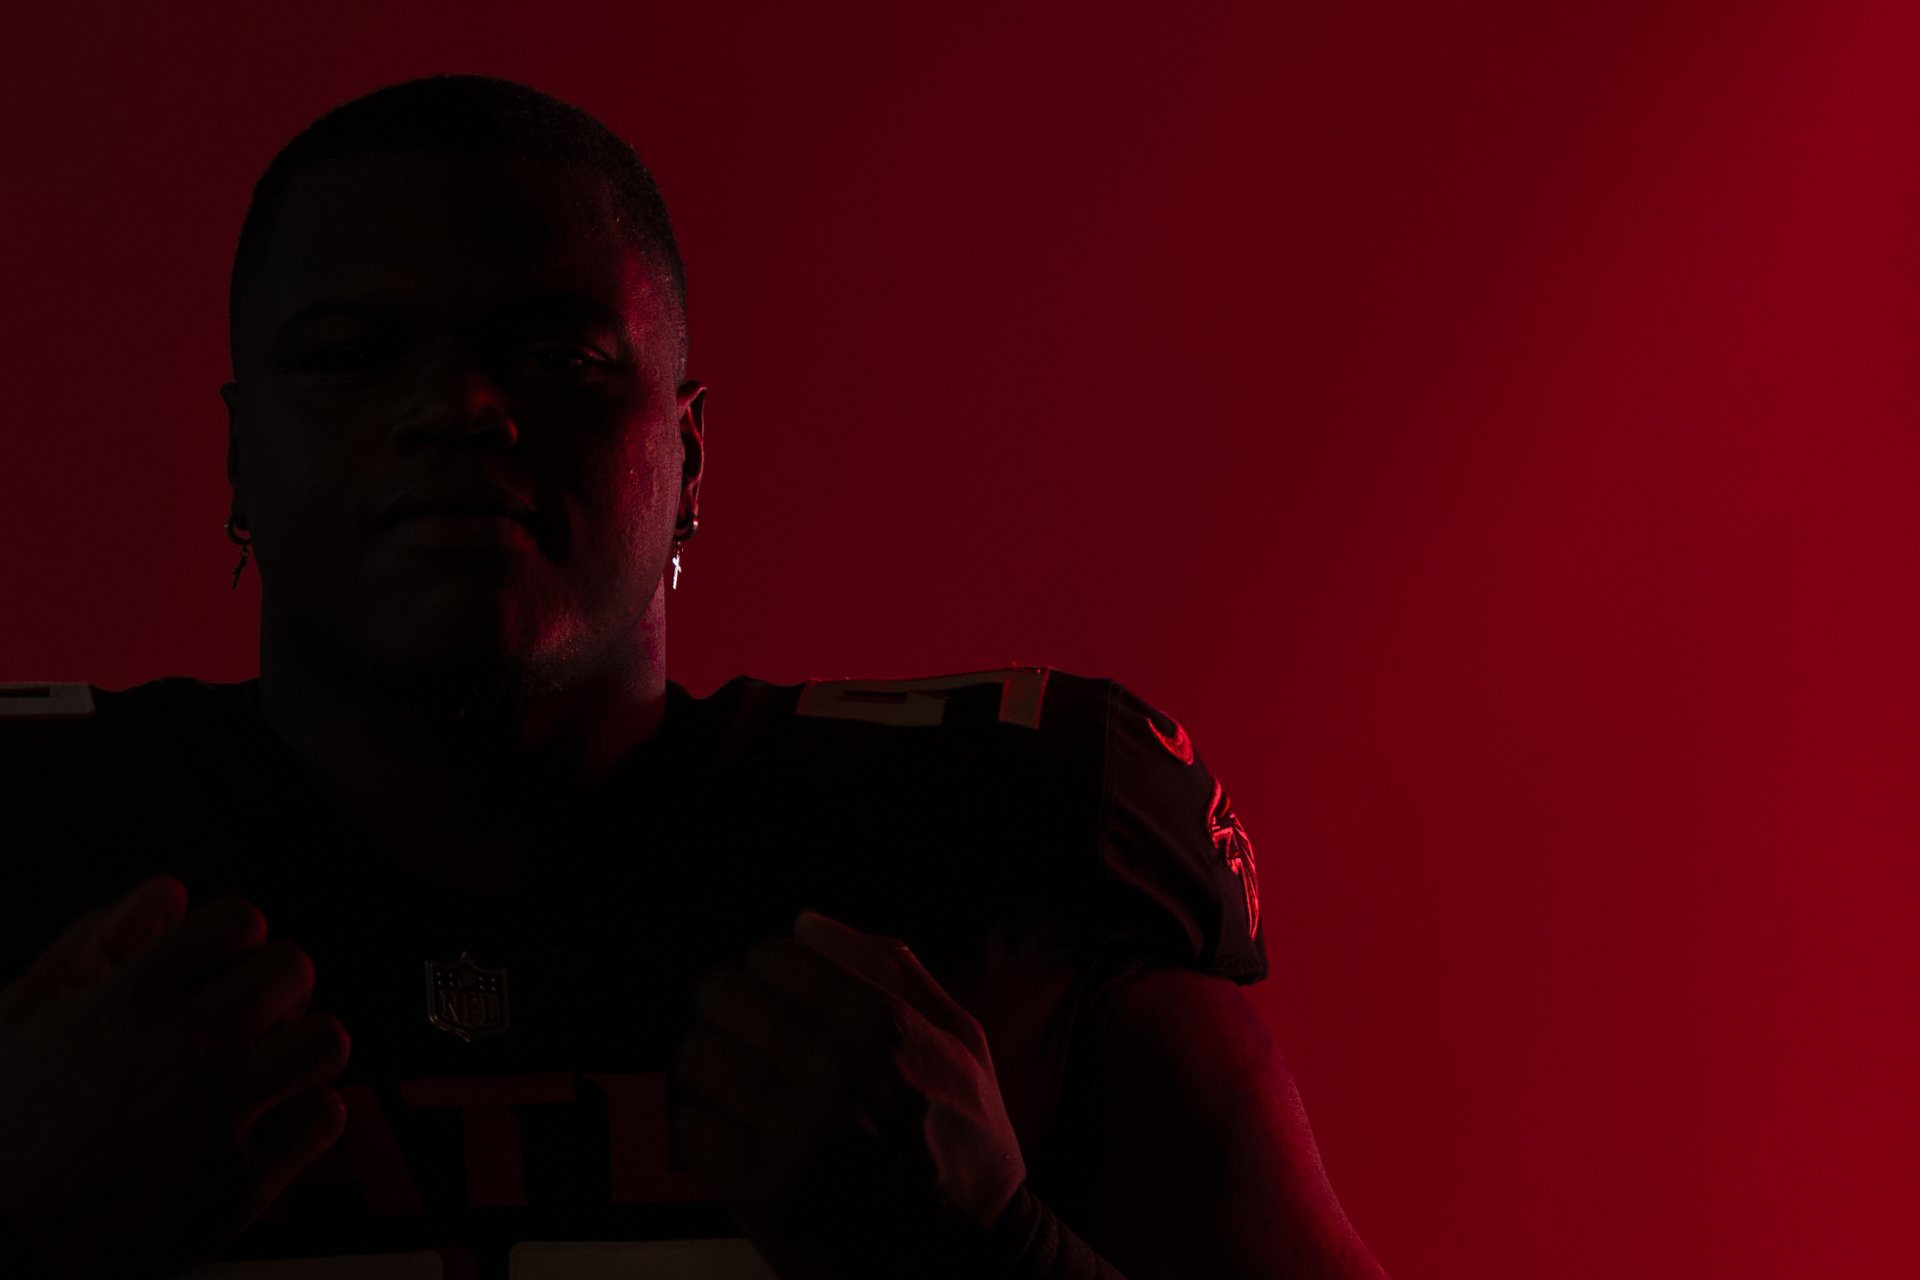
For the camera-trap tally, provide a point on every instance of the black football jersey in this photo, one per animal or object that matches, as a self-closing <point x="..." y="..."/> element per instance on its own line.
<point x="1032" y="834"/>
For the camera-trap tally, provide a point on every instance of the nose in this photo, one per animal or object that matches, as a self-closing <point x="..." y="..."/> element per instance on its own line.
<point x="455" y="402"/>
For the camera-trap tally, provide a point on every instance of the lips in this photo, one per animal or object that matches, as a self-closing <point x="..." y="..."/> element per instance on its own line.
<point x="454" y="495"/>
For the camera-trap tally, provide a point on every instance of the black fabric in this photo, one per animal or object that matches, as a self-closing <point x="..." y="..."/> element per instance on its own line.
<point x="1030" y="1242"/>
<point x="1027" y="853"/>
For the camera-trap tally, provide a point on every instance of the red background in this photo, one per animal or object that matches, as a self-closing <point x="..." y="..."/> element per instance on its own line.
<point x="1488" y="427"/>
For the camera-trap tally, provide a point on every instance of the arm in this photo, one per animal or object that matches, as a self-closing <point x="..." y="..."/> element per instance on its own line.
<point x="1202" y="1162"/>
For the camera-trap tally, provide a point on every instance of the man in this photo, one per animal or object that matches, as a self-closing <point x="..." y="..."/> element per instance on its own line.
<point x="463" y="943"/>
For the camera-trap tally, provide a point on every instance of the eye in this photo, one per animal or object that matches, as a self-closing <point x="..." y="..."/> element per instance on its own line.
<point x="564" y="360"/>
<point x="349" y="357"/>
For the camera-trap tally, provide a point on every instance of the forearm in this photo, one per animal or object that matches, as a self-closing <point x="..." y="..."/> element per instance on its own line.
<point x="1029" y="1242"/>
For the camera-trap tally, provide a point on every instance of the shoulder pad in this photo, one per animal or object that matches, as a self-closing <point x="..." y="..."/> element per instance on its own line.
<point x="923" y="700"/>
<point x="1171" y="843"/>
<point x="46" y="701"/>
<point x="1117" y="811"/>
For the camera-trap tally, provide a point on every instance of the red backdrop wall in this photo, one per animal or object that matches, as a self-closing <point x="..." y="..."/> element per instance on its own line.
<point x="1488" y="427"/>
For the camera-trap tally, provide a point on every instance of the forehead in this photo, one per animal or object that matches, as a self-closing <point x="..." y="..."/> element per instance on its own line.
<point x="453" y="236"/>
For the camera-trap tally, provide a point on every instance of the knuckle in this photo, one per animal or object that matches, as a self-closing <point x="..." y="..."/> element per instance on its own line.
<point x="291" y="961"/>
<point x="335" y="1044"/>
<point x="333" y="1117"/>
<point x="245" y="922"/>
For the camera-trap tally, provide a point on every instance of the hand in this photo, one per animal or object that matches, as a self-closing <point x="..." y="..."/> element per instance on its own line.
<point x="843" y="1106"/>
<point x="161" y="1082"/>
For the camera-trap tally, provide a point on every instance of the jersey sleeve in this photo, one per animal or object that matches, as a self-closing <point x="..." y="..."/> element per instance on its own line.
<point x="1177" y="877"/>
<point x="1113" y="835"/>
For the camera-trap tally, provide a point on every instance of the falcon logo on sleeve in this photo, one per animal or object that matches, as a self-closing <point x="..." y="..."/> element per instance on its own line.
<point x="1181" y="748"/>
<point x="1230" y="838"/>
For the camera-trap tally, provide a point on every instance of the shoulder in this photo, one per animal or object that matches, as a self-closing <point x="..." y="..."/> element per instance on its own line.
<point x="35" y="701"/>
<point x="49" y="748"/>
<point x="145" y="735"/>
<point x="1089" y="797"/>
<point x="1015" y="696"/>
<point x="98" y="783"/>
<point x="50" y="729"/>
<point x="48" y="737"/>
<point x="1071" y="719"/>
<point x="28" y="705"/>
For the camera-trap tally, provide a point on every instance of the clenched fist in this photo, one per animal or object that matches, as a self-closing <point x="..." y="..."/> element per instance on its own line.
<point x="161" y="1082"/>
<point x="844" y="1107"/>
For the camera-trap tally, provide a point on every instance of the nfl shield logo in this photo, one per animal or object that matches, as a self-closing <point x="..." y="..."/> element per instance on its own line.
<point x="465" y="999"/>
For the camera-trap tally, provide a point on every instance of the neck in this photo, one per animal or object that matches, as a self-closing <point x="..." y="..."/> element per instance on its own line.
<point x="462" y="787"/>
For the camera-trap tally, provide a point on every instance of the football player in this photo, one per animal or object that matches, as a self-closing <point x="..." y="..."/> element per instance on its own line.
<point x="462" y="943"/>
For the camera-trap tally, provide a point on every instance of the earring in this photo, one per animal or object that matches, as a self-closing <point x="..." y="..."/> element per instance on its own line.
<point x="693" y="527"/>
<point x="245" y="544"/>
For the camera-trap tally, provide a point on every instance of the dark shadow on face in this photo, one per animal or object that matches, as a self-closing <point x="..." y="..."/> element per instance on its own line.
<point x="428" y="317"/>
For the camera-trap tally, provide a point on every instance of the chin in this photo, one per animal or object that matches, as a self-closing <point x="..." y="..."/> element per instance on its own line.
<point x="455" y="681"/>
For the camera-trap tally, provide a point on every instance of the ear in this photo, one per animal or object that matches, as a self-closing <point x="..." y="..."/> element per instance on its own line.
<point x="230" y="393"/>
<point x="692" y="399"/>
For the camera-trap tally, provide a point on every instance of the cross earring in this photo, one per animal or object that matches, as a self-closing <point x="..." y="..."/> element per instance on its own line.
<point x="693" y="527"/>
<point x="246" y="545"/>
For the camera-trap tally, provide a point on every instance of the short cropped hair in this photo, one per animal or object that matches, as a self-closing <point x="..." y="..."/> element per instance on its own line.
<point x="474" y="115"/>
